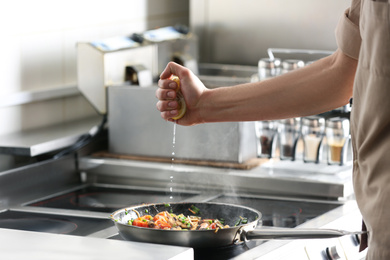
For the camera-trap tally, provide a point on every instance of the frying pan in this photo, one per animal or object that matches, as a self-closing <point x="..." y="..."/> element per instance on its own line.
<point x="209" y="238"/>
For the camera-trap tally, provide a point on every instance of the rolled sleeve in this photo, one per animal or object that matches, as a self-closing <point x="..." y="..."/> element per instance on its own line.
<point x="348" y="36"/>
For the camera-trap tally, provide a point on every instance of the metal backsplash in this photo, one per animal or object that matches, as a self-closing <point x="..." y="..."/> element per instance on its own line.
<point x="240" y="31"/>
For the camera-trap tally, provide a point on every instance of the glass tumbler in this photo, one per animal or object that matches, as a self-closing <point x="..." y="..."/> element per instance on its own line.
<point x="312" y="134"/>
<point x="337" y="133"/>
<point x="288" y="132"/>
<point x="265" y="133"/>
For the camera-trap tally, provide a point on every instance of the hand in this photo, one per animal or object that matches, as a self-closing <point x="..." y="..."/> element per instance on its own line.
<point x="192" y="89"/>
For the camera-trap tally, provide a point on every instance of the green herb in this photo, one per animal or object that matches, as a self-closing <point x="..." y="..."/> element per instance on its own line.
<point x="222" y="221"/>
<point x="146" y="211"/>
<point x="244" y="221"/>
<point x="195" y="209"/>
<point x="144" y="220"/>
<point x="167" y="205"/>
<point x="210" y="221"/>
<point x="238" y="222"/>
<point x="126" y="212"/>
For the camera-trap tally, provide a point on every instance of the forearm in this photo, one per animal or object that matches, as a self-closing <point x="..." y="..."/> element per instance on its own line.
<point x="319" y="87"/>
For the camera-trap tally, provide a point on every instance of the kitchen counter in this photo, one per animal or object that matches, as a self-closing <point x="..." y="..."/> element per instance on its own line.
<point x="15" y="244"/>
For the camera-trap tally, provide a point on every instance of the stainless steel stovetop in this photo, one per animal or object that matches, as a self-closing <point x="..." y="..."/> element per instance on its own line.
<point x="84" y="211"/>
<point x="56" y="197"/>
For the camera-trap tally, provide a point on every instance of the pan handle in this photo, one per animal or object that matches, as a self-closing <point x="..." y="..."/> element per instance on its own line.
<point x="294" y="233"/>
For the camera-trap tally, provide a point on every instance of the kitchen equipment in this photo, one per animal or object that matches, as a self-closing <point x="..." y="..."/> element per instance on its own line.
<point x="114" y="61"/>
<point x="209" y="238"/>
<point x="292" y="64"/>
<point x="337" y="136"/>
<point x="136" y="128"/>
<point x="312" y="133"/>
<point x="269" y="68"/>
<point x="288" y="134"/>
<point x="266" y="138"/>
<point x="135" y="60"/>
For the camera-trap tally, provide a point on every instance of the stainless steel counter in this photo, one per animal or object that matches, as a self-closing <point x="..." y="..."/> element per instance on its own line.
<point x="15" y="244"/>
<point x="48" y="139"/>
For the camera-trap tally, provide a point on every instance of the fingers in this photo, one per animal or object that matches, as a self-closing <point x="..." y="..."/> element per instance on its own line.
<point x="163" y="105"/>
<point x="171" y="68"/>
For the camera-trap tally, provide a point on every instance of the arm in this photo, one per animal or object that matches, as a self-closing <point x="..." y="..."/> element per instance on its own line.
<point x="319" y="87"/>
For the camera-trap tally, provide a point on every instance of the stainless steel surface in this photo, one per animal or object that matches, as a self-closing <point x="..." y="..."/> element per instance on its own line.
<point x="26" y="97"/>
<point x="59" y="177"/>
<point x="15" y="244"/>
<point x="346" y="217"/>
<point x="40" y="141"/>
<point x="20" y="185"/>
<point x="97" y="69"/>
<point x="299" y="233"/>
<point x="272" y="51"/>
<point x="279" y="177"/>
<point x="243" y="37"/>
<point x="147" y="134"/>
<point x="183" y="51"/>
<point x="222" y="75"/>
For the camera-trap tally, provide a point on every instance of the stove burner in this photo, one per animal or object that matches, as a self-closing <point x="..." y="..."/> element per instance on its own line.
<point x="55" y="226"/>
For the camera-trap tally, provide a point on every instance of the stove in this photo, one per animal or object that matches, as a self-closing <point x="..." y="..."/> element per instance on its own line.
<point x="108" y="199"/>
<point x="276" y="212"/>
<point x="59" y="203"/>
<point x="282" y="212"/>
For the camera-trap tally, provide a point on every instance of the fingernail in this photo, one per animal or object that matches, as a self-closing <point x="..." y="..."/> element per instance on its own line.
<point x="172" y="85"/>
<point x="171" y="104"/>
<point x="170" y="94"/>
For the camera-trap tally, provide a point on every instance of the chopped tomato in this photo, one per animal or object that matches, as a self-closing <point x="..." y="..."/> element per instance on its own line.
<point x="161" y="221"/>
<point x="213" y="226"/>
<point x="142" y="221"/>
<point x="161" y="214"/>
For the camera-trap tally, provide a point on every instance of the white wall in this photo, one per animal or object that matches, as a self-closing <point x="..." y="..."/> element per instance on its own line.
<point x="37" y="49"/>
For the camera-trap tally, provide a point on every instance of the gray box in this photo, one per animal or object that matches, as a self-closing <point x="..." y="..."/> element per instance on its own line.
<point x="136" y="128"/>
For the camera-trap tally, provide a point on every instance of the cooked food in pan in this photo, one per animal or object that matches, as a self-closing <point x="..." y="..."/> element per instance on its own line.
<point x="171" y="221"/>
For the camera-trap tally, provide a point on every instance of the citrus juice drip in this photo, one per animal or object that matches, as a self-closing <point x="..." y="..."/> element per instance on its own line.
<point x="173" y="159"/>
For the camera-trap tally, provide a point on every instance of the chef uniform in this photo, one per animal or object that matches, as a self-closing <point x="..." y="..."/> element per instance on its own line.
<point x="363" y="33"/>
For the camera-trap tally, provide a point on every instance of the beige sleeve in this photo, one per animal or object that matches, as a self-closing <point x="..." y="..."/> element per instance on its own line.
<point x="348" y="34"/>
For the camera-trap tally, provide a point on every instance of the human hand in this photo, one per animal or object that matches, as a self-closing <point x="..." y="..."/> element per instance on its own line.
<point x="192" y="89"/>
